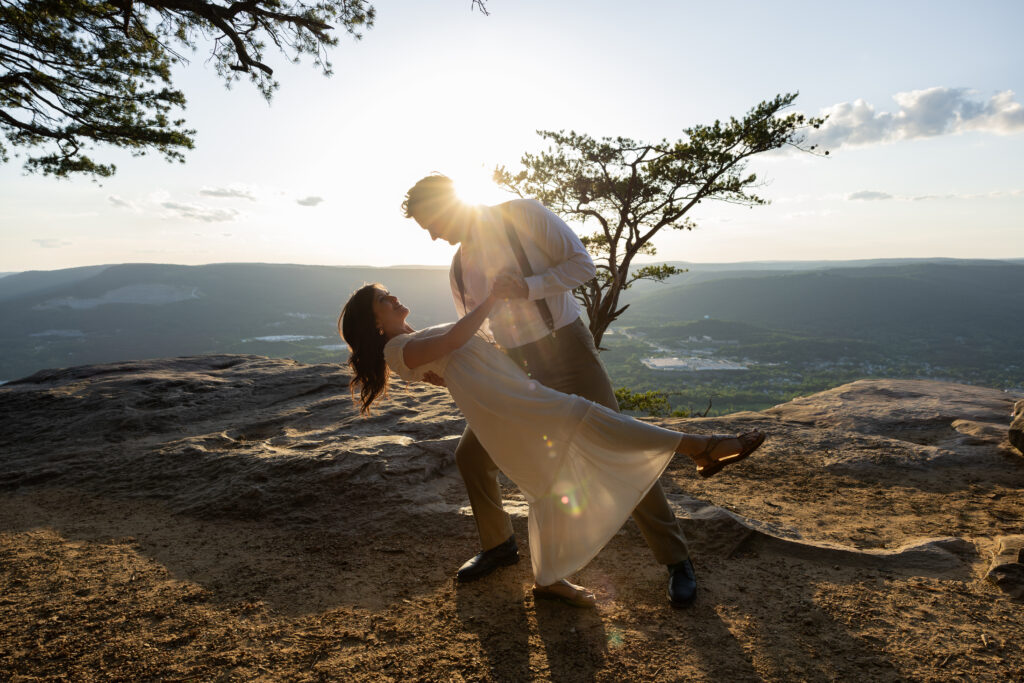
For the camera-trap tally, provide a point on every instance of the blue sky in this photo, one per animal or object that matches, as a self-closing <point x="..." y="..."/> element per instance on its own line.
<point x="926" y="134"/>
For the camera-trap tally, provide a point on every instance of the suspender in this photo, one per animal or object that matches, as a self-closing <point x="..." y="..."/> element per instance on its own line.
<point x="524" y="266"/>
<point x="457" y="267"/>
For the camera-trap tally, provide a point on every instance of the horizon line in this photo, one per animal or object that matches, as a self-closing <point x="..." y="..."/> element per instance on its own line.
<point x="437" y="266"/>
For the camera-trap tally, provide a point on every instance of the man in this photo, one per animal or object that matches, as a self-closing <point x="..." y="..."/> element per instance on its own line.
<point x="540" y="329"/>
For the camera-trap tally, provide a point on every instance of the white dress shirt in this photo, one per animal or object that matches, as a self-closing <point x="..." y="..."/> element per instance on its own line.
<point x="559" y="261"/>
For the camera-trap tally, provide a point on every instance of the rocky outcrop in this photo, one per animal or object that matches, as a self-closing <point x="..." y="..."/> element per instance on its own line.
<point x="1017" y="426"/>
<point x="876" y="473"/>
<point x="928" y="413"/>
<point x="222" y="435"/>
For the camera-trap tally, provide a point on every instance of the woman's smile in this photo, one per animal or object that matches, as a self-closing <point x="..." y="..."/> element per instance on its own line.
<point x="388" y="310"/>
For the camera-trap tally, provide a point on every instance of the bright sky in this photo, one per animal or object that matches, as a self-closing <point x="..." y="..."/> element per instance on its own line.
<point x="926" y="134"/>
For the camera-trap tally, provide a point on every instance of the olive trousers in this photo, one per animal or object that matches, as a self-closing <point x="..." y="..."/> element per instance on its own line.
<point x="567" y="361"/>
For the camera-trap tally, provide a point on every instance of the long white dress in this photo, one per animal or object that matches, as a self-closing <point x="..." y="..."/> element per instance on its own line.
<point x="581" y="467"/>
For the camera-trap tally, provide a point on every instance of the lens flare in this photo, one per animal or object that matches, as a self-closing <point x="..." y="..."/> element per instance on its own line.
<point x="614" y="638"/>
<point x="572" y="502"/>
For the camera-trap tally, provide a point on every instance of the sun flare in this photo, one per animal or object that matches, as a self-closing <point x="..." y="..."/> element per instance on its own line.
<point x="475" y="186"/>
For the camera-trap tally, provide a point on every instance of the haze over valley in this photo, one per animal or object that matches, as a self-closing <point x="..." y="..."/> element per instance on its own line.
<point x="761" y="333"/>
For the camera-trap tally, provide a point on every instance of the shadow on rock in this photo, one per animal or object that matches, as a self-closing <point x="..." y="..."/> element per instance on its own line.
<point x="293" y="571"/>
<point x="574" y="640"/>
<point x="494" y="610"/>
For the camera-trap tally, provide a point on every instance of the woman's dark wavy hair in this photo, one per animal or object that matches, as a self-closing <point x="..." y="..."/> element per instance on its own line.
<point x="358" y="328"/>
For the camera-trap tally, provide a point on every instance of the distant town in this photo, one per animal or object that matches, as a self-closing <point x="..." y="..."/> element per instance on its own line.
<point x="694" y="363"/>
<point x="691" y="363"/>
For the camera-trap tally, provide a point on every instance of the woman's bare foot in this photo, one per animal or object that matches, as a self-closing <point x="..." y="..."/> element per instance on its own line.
<point x="566" y="592"/>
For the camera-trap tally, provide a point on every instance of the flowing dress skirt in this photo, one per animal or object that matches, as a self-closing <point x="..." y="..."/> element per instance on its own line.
<point x="582" y="467"/>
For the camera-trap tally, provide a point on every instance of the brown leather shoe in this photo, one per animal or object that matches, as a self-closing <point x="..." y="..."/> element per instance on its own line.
<point x="482" y="564"/>
<point x="682" y="583"/>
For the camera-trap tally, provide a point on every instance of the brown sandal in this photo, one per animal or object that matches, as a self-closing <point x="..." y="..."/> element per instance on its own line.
<point x="749" y="442"/>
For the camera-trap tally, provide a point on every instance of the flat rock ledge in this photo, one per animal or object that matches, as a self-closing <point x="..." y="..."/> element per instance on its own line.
<point x="273" y="441"/>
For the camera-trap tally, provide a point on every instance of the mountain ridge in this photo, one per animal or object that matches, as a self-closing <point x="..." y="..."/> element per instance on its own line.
<point x="129" y="311"/>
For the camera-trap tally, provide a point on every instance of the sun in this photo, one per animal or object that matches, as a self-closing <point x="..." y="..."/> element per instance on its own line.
<point x="475" y="186"/>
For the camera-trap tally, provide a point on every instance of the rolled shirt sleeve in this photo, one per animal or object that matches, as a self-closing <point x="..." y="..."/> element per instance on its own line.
<point x="572" y="264"/>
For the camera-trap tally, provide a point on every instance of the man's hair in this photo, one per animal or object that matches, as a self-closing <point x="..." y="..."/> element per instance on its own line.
<point x="433" y="188"/>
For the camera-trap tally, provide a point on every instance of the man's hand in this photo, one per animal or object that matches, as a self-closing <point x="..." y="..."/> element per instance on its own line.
<point x="510" y="286"/>
<point x="435" y="379"/>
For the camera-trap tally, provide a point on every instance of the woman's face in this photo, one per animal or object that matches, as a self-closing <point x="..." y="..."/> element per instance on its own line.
<point x="388" y="313"/>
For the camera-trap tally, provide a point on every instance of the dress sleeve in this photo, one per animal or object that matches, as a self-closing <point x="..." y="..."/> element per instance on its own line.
<point x="394" y="354"/>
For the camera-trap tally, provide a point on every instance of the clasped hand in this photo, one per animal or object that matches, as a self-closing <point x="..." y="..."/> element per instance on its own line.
<point x="507" y="285"/>
<point x="510" y="285"/>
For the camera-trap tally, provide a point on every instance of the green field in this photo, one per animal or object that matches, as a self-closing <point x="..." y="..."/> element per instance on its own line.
<point x="784" y="365"/>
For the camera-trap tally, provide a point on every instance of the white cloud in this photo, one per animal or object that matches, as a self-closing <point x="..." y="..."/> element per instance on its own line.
<point x="121" y="203"/>
<point x="869" y="194"/>
<point x="813" y="213"/>
<point x="922" y="113"/>
<point x="161" y="203"/>
<point x="200" y="213"/>
<point x="310" y="201"/>
<point x="228" y="192"/>
<point x="876" y="195"/>
<point x="929" y="197"/>
<point x="994" y="194"/>
<point x="50" y="243"/>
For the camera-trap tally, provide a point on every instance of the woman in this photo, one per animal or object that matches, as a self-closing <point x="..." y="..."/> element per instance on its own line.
<point x="582" y="467"/>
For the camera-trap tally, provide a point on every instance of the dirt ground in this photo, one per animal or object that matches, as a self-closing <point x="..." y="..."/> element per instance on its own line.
<point x="809" y="577"/>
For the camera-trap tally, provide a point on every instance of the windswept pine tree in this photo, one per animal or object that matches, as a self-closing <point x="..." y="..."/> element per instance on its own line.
<point x="632" y="189"/>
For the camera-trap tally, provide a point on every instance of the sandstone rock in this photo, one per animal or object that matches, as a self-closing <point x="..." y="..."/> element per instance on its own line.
<point x="931" y="421"/>
<point x="1017" y="426"/>
<point x="860" y="476"/>
<point x="1007" y="569"/>
<point x="244" y="437"/>
<point x="920" y="411"/>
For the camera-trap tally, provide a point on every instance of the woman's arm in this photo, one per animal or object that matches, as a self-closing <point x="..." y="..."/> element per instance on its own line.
<point x="422" y="351"/>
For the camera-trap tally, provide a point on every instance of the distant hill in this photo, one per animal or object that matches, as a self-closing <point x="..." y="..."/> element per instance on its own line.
<point x="27" y="282"/>
<point x="707" y="272"/>
<point x="960" y="310"/>
<point x="973" y="300"/>
<point x="132" y="311"/>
